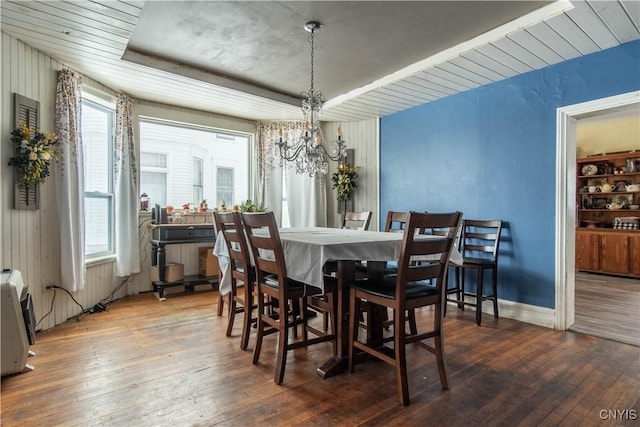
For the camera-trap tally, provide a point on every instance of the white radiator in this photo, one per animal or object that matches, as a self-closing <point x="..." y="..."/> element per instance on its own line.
<point x="14" y="339"/>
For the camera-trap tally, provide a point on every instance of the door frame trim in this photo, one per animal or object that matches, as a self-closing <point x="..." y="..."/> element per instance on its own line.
<point x="566" y="119"/>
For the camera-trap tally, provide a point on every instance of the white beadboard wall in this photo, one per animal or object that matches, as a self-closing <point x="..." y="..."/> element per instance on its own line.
<point x="362" y="136"/>
<point x="30" y="239"/>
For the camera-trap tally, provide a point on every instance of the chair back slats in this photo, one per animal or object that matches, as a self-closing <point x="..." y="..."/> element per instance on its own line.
<point x="423" y="272"/>
<point x="481" y="238"/>
<point x="436" y="250"/>
<point x="355" y="220"/>
<point x="266" y="248"/>
<point x="230" y="224"/>
<point x="396" y="221"/>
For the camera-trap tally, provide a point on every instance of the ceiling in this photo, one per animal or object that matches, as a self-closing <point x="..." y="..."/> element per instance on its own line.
<point x="252" y="59"/>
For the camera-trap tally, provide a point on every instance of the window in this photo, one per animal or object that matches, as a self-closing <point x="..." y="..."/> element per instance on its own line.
<point x="97" y="137"/>
<point x="224" y="187"/>
<point x="183" y="163"/>
<point x="197" y="180"/>
<point x="153" y="171"/>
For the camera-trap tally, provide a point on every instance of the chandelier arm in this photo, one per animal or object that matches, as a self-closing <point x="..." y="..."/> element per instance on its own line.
<point x="337" y="157"/>
<point x="296" y="153"/>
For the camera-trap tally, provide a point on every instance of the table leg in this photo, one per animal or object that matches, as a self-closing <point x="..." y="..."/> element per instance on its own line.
<point x="339" y="363"/>
<point x="161" y="261"/>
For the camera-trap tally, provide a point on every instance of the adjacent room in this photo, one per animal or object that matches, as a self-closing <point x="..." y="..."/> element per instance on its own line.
<point x="320" y="213"/>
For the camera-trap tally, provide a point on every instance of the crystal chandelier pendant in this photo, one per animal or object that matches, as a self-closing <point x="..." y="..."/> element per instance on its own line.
<point x="310" y="152"/>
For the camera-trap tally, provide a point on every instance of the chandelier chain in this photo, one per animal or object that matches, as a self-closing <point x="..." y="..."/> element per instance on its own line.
<point x="308" y="150"/>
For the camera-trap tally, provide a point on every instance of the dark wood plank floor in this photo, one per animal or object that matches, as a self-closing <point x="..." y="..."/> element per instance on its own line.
<point x="608" y="307"/>
<point x="150" y="363"/>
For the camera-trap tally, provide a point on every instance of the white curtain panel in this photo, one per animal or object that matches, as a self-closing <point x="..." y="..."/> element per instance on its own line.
<point x="126" y="191"/>
<point x="70" y="180"/>
<point x="307" y="199"/>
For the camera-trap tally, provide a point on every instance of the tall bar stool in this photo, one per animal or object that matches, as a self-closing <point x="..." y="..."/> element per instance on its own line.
<point x="416" y="285"/>
<point x="479" y="244"/>
<point x="242" y="275"/>
<point x="272" y="283"/>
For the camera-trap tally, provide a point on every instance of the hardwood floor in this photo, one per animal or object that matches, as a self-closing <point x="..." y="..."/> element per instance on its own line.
<point x="608" y="307"/>
<point x="150" y="363"/>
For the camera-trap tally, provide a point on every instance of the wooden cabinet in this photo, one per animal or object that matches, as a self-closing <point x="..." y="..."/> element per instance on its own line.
<point x="608" y="214"/>
<point x="608" y="251"/>
<point x="634" y="241"/>
<point x="587" y="251"/>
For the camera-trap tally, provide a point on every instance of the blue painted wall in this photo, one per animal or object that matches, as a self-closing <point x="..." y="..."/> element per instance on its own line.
<point x="490" y="153"/>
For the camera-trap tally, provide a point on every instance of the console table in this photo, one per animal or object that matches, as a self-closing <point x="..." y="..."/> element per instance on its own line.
<point x="169" y="234"/>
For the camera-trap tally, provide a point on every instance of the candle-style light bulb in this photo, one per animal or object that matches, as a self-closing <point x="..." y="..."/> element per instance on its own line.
<point x="340" y="136"/>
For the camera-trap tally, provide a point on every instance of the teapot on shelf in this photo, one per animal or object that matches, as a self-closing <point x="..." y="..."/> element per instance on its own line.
<point x="606" y="187"/>
<point x="614" y="206"/>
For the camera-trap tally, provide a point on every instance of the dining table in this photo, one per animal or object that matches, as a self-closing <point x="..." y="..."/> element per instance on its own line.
<point x="307" y="249"/>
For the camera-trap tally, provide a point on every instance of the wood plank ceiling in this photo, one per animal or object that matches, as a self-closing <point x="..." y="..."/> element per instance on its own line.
<point x="92" y="36"/>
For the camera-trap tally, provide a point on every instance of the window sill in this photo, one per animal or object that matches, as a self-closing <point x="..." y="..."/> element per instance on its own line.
<point x="90" y="262"/>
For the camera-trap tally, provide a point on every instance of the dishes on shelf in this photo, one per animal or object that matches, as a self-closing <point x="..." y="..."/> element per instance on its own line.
<point x="599" y="203"/>
<point x="591" y="223"/>
<point x="589" y="170"/>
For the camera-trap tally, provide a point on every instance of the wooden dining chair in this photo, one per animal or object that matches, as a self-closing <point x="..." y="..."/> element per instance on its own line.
<point x="416" y="285"/>
<point x="272" y="283"/>
<point x="242" y="275"/>
<point x="395" y="222"/>
<point x="355" y="220"/>
<point x="479" y="244"/>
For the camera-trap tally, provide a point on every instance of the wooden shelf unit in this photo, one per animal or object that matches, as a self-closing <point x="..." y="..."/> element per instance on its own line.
<point x="599" y="246"/>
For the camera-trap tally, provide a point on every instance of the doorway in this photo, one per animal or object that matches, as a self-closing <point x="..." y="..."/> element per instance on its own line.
<point x="566" y="119"/>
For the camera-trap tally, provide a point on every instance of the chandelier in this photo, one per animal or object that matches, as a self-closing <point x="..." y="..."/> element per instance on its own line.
<point x="310" y="151"/>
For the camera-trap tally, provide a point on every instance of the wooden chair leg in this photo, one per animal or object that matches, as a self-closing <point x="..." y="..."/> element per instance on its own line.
<point x="220" y="303"/>
<point x="494" y="286"/>
<point x="247" y="318"/>
<point x="231" y="314"/>
<point x="283" y="341"/>
<point x="438" y="346"/>
<point x="460" y="287"/>
<point x="400" y="356"/>
<point x="261" y="325"/>
<point x="479" y="297"/>
<point x="442" y="372"/>
<point x="354" y="325"/>
<point x="413" y="327"/>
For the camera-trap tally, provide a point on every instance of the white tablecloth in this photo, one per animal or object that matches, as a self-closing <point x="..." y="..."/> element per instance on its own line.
<point x="307" y="249"/>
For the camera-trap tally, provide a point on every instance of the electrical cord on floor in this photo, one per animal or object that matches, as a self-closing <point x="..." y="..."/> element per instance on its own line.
<point x="50" y="310"/>
<point x="106" y="300"/>
<point x="74" y="300"/>
<point x="102" y="305"/>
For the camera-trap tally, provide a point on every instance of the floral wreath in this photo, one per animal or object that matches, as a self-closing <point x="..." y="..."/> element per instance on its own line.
<point x="344" y="180"/>
<point x="34" y="152"/>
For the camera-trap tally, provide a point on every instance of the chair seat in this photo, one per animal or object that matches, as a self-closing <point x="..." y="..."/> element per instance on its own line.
<point x="272" y="281"/>
<point x="386" y="288"/>
<point x="477" y="261"/>
<point x="390" y="268"/>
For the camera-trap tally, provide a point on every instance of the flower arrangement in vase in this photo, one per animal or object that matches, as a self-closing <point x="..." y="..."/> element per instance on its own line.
<point x="34" y="151"/>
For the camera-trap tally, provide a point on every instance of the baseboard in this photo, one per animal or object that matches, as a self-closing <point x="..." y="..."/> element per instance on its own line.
<point x="521" y="312"/>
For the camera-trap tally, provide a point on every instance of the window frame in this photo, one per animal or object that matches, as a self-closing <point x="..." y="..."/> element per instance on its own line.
<point x="217" y="186"/>
<point x="101" y="105"/>
<point x="218" y="133"/>
<point x="200" y="180"/>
